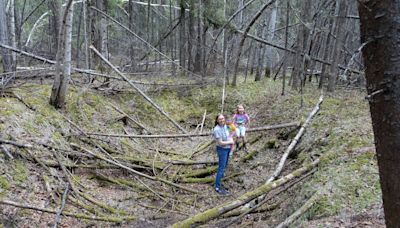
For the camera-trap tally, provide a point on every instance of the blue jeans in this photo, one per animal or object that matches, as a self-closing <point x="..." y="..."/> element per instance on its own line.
<point x="223" y="156"/>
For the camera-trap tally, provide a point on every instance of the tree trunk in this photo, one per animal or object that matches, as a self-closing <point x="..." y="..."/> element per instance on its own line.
<point x="326" y="55"/>
<point x="54" y="26"/>
<point x="182" y="40"/>
<point x="190" y="38"/>
<point x="286" y="44"/>
<point x="13" y="34"/>
<point x="340" y="32"/>
<point x="4" y="38"/>
<point x="78" y="37"/>
<point x="379" y="24"/>
<point x="270" y="34"/>
<point x="253" y="20"/>
<point x="59" y="89"/>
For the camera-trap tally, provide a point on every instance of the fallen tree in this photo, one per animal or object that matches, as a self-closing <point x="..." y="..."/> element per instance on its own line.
<point x="215" y="212"/>
<point x="264" y="128"/>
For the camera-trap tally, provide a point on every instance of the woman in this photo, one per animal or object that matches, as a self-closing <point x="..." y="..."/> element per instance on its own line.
<point x="224" y="142"/>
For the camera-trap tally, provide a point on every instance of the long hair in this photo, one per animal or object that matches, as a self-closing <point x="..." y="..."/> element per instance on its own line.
<point x="237" y="109"/>
<point x="216" y="119"/>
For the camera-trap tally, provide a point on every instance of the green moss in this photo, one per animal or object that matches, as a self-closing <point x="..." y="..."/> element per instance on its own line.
<point x="10" y="107"/>
<point x="20" y="172"/>
<point x="126" y="145"/>
<point x="4" y="184"/>
<point x="272" y="143"/>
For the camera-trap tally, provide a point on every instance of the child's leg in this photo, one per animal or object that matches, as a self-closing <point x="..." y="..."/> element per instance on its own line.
<point x="243" y="132"/>
<point x="237" y="138"/>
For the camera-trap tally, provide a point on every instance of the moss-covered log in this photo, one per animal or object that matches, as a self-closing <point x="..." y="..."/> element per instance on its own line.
<point x="200" y="172"/>
<point x="248" y="156"/>
<point x="259" y="210"/>
<point x="245" y="198"/>
<point x="207" y="179"/>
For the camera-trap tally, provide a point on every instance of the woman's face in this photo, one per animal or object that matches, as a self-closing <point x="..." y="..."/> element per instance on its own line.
<point x="221" y="120"/>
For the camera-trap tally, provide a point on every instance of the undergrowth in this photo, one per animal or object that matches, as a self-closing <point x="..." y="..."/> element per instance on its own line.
<point x="350" y="180"/>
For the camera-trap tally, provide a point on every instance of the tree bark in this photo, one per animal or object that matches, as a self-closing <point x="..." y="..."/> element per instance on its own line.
<point x="13" y="34"/>
<point x="59" y="89"/>
<point x="4" y="38"/>
<point x="380" y="25"/>
<point x="340" y="33"/>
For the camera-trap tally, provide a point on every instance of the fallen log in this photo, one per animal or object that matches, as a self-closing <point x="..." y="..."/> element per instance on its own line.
<point x="264" y="128"/>
<point x="147" y="98"/>
<point x="206" y="180"/>
<point x="240" y="213"/>
<point x="175" y="162"/>
<point x="307" y="205"/>
<point x="217" y="211"/>
<point x="134" y="171"/>
<point x="294" y="142"/>
<point x="66" y="213"/>
<point x="200" y="172"/>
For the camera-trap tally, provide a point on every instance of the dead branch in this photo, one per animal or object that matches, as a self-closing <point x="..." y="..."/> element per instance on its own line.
<point x="265" y="128"/>
<point x="215" y="212"/>
<point x="91" y="72"/>
<point x="294" y="142"/>
<point x="90" y="166"/>
<point x="134" y="171"/>
<point x="82" y="194"/>
<point x="23" y="102"/>
<point x="6" y="152"/>
<point x="202" y="122"/>
<point x="266" y="199"/>
<point x="130" y="118"/>
<point x="79" y="216"/>
<point x="3" y="141"/>
<point x="137" y="89"/>
<point x="307" y="205"/>
<point x="64" y="197"/>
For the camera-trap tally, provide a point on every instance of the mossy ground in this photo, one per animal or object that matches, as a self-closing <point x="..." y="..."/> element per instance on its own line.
<point x="350" y="180"/>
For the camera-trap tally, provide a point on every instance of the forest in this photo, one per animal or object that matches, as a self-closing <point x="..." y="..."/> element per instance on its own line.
<point x="117" y="113"/>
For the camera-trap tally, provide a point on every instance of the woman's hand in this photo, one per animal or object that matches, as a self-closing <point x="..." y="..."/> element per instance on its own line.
<point x="223" y="143"/>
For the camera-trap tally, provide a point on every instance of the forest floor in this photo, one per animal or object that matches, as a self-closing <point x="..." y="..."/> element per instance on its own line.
<point x="340" y="135"/>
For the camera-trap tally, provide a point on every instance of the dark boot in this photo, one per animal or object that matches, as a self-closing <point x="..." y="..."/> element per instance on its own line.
<point x="245" y="147"/>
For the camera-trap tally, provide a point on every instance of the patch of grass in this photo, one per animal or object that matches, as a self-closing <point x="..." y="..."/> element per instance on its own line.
<point x="20" y="172"/>
<point x="4" y="185"/>
<point x="350" y="181"/>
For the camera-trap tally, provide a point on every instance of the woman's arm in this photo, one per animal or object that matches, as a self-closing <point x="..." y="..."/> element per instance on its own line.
<point x="224" y="143"/>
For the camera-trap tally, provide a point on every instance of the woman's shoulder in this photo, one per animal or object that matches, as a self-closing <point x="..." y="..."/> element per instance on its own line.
<point x="219" y="128"/>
